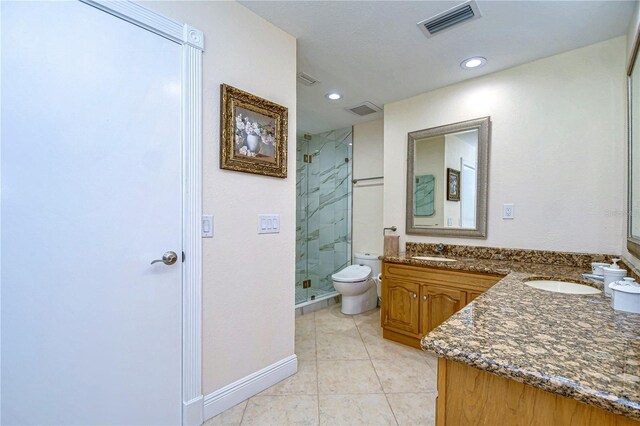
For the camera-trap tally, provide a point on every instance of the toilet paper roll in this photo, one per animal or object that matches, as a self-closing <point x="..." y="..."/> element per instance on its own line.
<point x="391" y="245"/>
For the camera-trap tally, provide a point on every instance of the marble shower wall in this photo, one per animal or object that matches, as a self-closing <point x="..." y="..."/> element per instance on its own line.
<point x="323" y="207"/>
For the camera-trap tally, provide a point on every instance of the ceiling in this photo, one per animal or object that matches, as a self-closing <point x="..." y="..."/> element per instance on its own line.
<point x="373" y="51"/>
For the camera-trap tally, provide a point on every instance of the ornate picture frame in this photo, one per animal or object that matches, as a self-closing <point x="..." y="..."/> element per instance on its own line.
<point x="253" y="133"/>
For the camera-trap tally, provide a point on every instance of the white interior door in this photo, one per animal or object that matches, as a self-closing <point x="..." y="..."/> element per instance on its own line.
<point x="468" y="195"/>
<point x="91" y="194"/>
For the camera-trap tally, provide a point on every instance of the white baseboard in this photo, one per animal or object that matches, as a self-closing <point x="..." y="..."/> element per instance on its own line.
<point x="240" y="390"/>
<point x="192" y="412"/>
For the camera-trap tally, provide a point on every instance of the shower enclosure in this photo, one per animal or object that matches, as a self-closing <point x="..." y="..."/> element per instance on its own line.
<point x="323" y="212"/>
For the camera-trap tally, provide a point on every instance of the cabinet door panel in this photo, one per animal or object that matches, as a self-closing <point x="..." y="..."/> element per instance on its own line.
<point x="442" y="303"/>
<point x="400" y="306"/>
<point x="471" y="295"/>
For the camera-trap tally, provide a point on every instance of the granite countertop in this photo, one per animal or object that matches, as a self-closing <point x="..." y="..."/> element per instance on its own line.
<point x="572" y="345"/>
<point x="499" y="267"/>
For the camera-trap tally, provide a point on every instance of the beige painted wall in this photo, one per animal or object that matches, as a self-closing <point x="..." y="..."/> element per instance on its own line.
<point x="557" y="149"/>
<point x="248" y="279"/>
<point x="367" y="196"/>
<point x="632" y="32"/>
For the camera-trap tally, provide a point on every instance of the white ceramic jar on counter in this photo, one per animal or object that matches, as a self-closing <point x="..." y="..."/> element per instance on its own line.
<point x="625" y="295"/>
<point x="596" y="268"/>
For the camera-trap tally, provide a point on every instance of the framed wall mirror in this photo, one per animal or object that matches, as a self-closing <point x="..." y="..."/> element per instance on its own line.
<point x="447" y="172"/>
<point x="633" y="123"/>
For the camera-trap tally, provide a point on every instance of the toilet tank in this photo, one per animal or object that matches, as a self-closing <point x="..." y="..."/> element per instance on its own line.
<point x="370" y="260"/>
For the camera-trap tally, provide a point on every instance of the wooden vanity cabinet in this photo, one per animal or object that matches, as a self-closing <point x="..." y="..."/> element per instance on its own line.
<point x="472" y="295"/>
<point x="439" y="303"/>
<point x="470" y="396"/>
<point x="403" y="309"/>
<point x="415" y="300"/>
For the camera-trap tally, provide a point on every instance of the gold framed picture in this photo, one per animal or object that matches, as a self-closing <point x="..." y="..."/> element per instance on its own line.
<point x="253" y="133"/>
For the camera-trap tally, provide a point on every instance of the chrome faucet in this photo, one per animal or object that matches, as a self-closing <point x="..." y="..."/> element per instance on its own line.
<point x="440" y="248"/>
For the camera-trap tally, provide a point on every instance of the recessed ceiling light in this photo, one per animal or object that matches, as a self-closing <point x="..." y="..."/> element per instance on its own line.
<point x="473" y="63"/>
<point x="334" y="96"/>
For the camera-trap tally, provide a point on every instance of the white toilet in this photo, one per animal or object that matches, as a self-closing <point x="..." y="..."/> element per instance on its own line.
<point x="358" y="284"/>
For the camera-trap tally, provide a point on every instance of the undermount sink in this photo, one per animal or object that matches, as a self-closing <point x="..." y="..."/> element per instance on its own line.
<point x="562" y="287"/>
<point x="434" y="259"/>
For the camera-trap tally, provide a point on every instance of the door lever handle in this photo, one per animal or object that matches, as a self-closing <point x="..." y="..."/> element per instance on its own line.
<point x="169" y="258"/>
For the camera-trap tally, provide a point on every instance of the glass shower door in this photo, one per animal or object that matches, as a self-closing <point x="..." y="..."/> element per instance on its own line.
<point x="323" y="212"/>
<point x="302" y="293"/>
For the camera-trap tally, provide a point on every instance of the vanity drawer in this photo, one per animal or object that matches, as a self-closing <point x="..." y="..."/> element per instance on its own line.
<point x="464" y="280"/>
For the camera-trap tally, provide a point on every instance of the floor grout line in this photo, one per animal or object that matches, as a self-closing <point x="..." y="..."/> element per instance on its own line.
<point x="377" y="376"/>
<point x="391" y="408"/>
<point x="244" y="411"/>
<point x="315" y="341"/>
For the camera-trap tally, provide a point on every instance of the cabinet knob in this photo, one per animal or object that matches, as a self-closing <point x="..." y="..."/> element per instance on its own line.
<point x="424" y="297"/>
<point x="414" y="295"/>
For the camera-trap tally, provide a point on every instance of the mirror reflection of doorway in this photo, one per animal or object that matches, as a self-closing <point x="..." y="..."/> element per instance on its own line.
<point x="468" y="195"/>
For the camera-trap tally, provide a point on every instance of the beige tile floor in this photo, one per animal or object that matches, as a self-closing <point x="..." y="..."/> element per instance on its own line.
<point x="347" y="375"/>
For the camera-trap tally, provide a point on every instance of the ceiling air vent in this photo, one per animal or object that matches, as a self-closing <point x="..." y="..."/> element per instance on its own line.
<point x="464" y="12"/>
<point x="365" y="108"/>
<point x="306" y="79"/>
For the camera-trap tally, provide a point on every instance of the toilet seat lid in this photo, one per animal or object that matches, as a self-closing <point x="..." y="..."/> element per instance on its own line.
<point x="352" y="274"/>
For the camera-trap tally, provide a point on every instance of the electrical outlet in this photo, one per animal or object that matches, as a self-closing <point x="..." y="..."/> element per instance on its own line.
<point x="508" y="211"/>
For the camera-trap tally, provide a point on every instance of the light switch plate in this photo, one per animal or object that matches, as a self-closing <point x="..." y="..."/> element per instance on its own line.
<point x="207" y="226"/>
<point x="508" y="211"/>
<point x="268" y="223"/>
